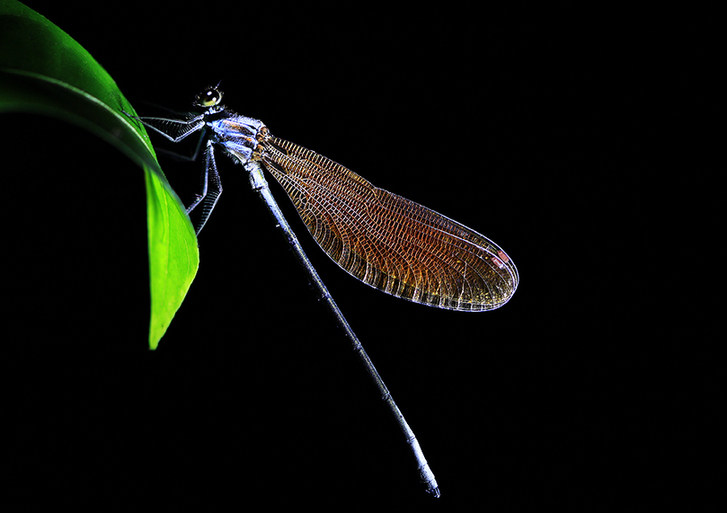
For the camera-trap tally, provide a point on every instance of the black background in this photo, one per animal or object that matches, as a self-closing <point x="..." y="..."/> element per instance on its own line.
<point x="585" y="143"/>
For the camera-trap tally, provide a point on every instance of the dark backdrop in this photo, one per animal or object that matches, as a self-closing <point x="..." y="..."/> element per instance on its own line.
<point x="583" y="142"/>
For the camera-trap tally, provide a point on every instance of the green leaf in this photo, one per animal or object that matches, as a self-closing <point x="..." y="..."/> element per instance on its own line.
<point x="43" y="70"/>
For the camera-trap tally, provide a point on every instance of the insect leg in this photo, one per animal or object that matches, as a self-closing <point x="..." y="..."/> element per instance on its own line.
<point x="173" y="129"/>
<point x="211" y="188"/>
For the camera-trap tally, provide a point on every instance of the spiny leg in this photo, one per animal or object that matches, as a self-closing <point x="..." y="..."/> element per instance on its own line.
<point x="211" y="188"/>
<point x="183" y="157"/>
<point x="182" y="129"/>
<point x="173" y="129"/>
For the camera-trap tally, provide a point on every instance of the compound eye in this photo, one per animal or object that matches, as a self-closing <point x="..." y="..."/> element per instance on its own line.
<point x="208" y="98"/>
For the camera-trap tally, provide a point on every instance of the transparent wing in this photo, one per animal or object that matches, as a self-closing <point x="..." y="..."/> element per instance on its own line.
<point x="390" y="243"/>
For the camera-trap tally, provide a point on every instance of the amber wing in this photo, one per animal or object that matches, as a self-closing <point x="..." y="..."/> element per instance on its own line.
<point x="389" y="242"/>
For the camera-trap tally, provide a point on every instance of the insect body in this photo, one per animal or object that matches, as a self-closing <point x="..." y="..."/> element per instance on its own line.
<point x="389" y="242"/>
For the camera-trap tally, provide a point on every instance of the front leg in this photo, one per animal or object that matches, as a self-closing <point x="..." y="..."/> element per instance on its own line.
<point x="173" y="129"/>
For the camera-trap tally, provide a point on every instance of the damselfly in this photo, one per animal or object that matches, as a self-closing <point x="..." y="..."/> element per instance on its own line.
<point x="390" y="243"/>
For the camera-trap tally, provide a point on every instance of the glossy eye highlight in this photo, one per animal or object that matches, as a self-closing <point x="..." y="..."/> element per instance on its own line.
<point x="208" y="98"/>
